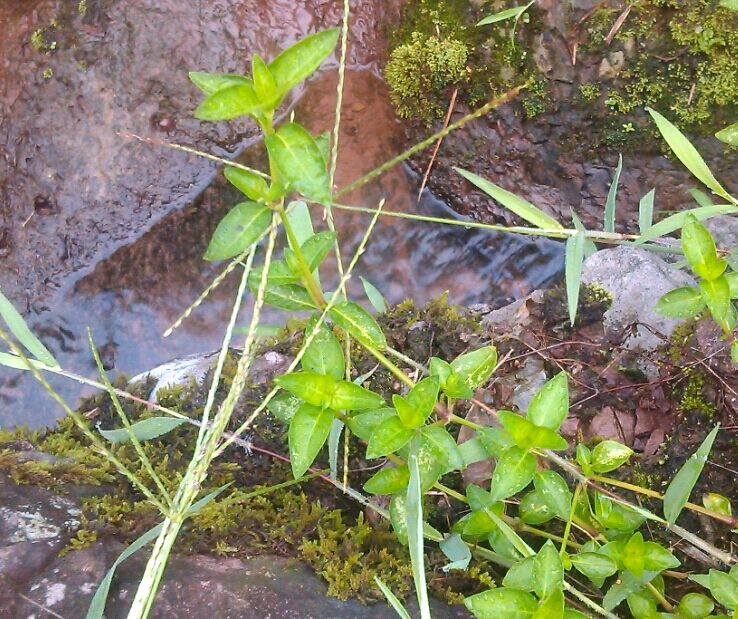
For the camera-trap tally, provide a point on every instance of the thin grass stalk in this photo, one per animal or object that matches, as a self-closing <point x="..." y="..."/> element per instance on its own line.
<point x="197" y="470"/>
<point x="127" y="424"/>
<point x="81" y="423"/>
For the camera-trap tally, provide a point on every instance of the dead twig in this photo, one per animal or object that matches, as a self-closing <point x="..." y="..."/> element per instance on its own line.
<point x="618" y="24"/>
<point x="437" y="147"/>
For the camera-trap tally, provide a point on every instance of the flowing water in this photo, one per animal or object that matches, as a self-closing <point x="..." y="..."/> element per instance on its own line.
<point x="153" y="268"/>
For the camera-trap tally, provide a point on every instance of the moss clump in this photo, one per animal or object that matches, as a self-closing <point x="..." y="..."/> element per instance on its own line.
<point x="420" y="71"/>
<point x="537" y="100"/>
<point x="692" y="397"/>
<point x="40" y="42"/>
<point x="590" y="91"/>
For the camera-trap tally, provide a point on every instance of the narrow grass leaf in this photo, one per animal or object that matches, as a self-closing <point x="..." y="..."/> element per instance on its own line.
<point x="334" y="440"/>
<point x="97" y="605"/>
<point x="375" y="297"/>
<point x="645" y="211"/>
<point x="573" y="270"/>
<point x="676" y="221"/>
<point x="145" y="430"/>
<point x="415" y="536"/>
<point x="512" y="13"/>
<point x="589" y="245"/>
<point x="677" y="494"/>
<point x="612" y="195"/>
<point x="10" y="360"/>
<point x="521" y="207"/>
<point x="20" y="330"/>
<point x="457" y="552"/>
<point x="701" y="197"/>
<point x="687" y="153"/>
<point x="392" y="599"/>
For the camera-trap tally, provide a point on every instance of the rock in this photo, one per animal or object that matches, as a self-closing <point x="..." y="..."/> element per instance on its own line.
<point x="197" y="585"/>
<point x="724" y="230"/>
<point x="636" y="279"/>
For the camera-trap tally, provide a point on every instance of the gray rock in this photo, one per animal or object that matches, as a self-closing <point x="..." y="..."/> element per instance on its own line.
<point x="636" y="279"/>
<point x="195" y="586"/>
<point x="724" y="230"/>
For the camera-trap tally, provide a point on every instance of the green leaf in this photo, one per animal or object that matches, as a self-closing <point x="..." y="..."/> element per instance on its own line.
<point x="512" y="13"/>
<point x="717" y="503"/>
<point x="609" y="455"/>
<point x="642" y="605"/>
<point x="733" y="284"/>
<point x="444" y="447"/>
<point x="676" y="221"/>
<point x="265" y="85"/>
<point x="657" y="558"/>
<point x="375" y="297"/>
<point x="298" y="214"/>
<point x="513" y="472"/>
<point x="527" y="435"/>
<point x="734" y="352"/>
<point x="613" y="515"/>
<point x="315" y="389"/>
<point x="550" y="406"/>
<point x="552" y="607"/>
<point x="612" y="198"/>
<point x="729" y="135"/>
<point x="415" y="536"/>
<point x="633" y="556"/>
<point x="334" y="441"/>
<point x="365" y="424"/>
<point x="686" y="153"/>
<point x="501" y="603"/>
<point x="431" y="463"/>
<point x="554" y="492"/>
<point x="472" y="451"/>
<point x="350" y="397"/>
<point x="574" y="256"/>
<point x="423" y="396"/>
<point x="695" y="606"/>
<point x="716" y="294"/>
<point x="242" y="226"/>
<point x="14" y="361"/>
<point x="626" y="584"/>
<point x="548" y="570"/>
<point x="724" y="589"/>
<point x="533" y="509"/>
<point x="391" y="480"/>
<point x="521" y="207"/>
<point x="645" y="211"/>
<point x="253" y="186"/>
<point x="677" y="494"/>
<point x="314" y="249"/>
<point x="292" y="298"/>
<point x="699" y="250"/>
<point x="440" y="368"/>
<point x="209" y="83"/>
<point x="594" y="565"/>
<point x="229" y="103"/>
<point x="359" y="324"/>
<point x="521" y="576"/>
<point x="388" y="437"/>
<point x="392" y="599"/>
<point x="456" y="551"/>
<point x="682" y="302"/>
<point x="324" y="355"/>
<point x="299" y="61"/>
<point x="279" y="275"/>
<point x="297" y="156"/>
<point x="145" y="430"/>
<point x="398" y="517"/>
<point x="97" y="605"/>
<point x="284" y="406"/>
<point x="309" y="430"/>
<point x="589" y="245"/>
<point x="20" y="330"/>
<point x="700" y="197"/>
<point x="495" y="440"/>
<point x="475" y="367"/>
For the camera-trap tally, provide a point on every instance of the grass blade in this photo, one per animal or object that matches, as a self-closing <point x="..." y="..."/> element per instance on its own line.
<point x="589" y="245"/>
<point x="687" y="153"/>
<point x="19" y="329"/>
<point x="701" y="197"/>
<point x="521" y="207"/>
<point x="145" y="430"/>
<point x="612" y="195"/>
<point x="415" y="536"/>
<point x="392" y="599"/>
<point x="573" y="272"/>
<point x="334" y="439"/>
<point x="677" y="494"/>
<point x="676" y="221"/>
<point x="645" y="212"/>
<point x="375" y="297"/>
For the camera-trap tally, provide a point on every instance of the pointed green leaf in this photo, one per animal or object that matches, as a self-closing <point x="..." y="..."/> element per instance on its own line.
<point x="521" y="576"/>
<point x="309" y="430"/>
<point x="554" y="492"/>
<point x="242" y="226"/>
<point x="594" y="565"/>
<point x="729" y="135"/>
<point x="676" y="221"/>
<point x="315" y="249"/>
<point x="145" y="430"/>
<point x="699" y="250"/>
<point x="25" y="336"/>
<point x="574" y="256"/>
<point x="501" y="603"/>
<point x="324" y="355"/>
<point x="299" y="61"/>
<point x="682" y="302"/>
<point x="609" y="455"/>
<point x="513" y="472"/>
<point x="415" y="536"/>
<point x="695" y="606"/>
<point x="456" y="551"/>
<point x="315" y="389"/>
<point x="350" y="397"/>
<point x="645" y="211"/>
<point x="375" y="297"/>
<point x="677" y="494"/>
<point x="701" y="197"/>
<point x="253" y="186"/>
<point x="533" y="509"/>
<point x="359" y="324"/>
<point x="292" y="298"/>
<point x="716" y="294"/>
<point x="612" y="195"/>
<point x="548" y="570"/>
<point x="475" y="367"/>
<point x="550" y="406"/>
<point x="686" y="153"/>
<point x="527" y="435"/>
<point x="391" y="480"/>
<point x="512" y="13"/>
<point x="297" y="156"/>
<point x="284" y="405"/>
<point x="365" y="424"/>
<point x="265" y="85"/>
<point x="392" y="599"/>
<point x="388" y="437"/>
<point x="229" y="103"/>
<point x="209" y="83"/>
<point x="444" y="448"/>
<point x="521" y="207"/>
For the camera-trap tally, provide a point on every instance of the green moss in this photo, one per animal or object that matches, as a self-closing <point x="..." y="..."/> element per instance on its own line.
<point x="537" y="100"/>
<point x="590" y="91"/>
<point x="692" y="397"/>
<point x="40" y="42"/>
<point x="419" y="72"/>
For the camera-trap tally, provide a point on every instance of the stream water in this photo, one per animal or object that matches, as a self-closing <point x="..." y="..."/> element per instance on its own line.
<point x="129" y="297"/>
